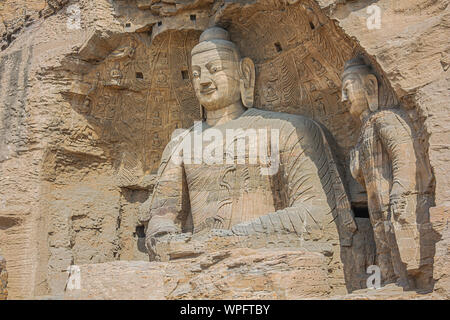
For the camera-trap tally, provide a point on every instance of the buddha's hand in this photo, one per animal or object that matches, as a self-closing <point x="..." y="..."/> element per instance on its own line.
<point x="354" y="162"/>
<point x="398" y="203"/>
<point x="156" y="229"/>
<point x="162" y="229"/>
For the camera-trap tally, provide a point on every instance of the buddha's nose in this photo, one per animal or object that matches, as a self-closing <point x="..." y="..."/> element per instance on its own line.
<point x="205" y="83"/>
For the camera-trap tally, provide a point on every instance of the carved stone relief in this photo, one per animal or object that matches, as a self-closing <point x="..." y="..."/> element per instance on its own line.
<point x="137" y="98"/>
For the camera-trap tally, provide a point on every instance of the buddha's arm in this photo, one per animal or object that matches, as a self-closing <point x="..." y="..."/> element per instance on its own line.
<point x="355" y="167"/>
<point x="397" y="140"/>
<point x="167" y="210"/>
<point x="167" y="206"/>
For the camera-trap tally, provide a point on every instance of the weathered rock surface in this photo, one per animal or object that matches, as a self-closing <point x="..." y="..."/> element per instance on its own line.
<point x="231" y="274"/>
<point x="389" y="292"/>
<point x="85" y="114"/>
<point x="3" y="279"/>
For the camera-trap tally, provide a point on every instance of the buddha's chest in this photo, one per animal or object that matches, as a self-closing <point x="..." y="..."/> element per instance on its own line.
<point x="369" y="152"/>
<point x="233" y="179"/>
<point x="223" y="195"/>
<point x="372" y="162"/>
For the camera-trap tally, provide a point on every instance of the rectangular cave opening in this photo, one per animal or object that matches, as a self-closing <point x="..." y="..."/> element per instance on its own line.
<point x="140" y="231"/>
<point x="139" y="75"/>
<point x="184" y="74"/>
<point x="361" y="211"/>
<point x="278" y="47"/>
<point x="193" y="17"/>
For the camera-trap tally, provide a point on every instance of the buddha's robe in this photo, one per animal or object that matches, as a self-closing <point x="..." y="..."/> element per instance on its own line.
<point x="305" y="195"/>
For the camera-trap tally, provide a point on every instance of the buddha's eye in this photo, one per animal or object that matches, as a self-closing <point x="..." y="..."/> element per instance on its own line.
<point x="214" y="69"/>
<point x="196" y="74"/>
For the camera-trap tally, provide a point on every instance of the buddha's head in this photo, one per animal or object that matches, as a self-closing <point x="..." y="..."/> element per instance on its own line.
<point x="220" y="76"/>
<point x="359" y="88"/>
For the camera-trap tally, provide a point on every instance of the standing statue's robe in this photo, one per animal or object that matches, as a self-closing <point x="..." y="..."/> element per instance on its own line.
<point x="305" y="196"/>
<point x="388" y="153"/>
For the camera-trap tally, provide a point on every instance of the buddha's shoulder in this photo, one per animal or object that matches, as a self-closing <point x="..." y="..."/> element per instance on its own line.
<point x="390" y="117"/>
<point x="279" y="119"/>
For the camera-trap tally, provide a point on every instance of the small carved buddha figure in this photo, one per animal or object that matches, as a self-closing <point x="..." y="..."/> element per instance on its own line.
<point x="304" y="195"/>
<point x="386" y="161"/>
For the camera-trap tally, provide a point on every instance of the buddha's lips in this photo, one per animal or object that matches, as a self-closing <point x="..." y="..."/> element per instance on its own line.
<point x="208" y="91"/>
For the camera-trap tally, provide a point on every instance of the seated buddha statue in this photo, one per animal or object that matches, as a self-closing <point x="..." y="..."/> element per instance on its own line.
<point x="292" y="184"/>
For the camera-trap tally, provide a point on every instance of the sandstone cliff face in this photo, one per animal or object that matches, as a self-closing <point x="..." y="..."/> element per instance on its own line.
<point x="90" y="92"/>
<point x="17" y="15"/>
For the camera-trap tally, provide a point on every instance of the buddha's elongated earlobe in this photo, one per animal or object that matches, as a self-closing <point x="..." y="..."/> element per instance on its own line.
<point x="247" y="82"/>
<point x="371" y="87"/>
<point x="202" y="113"/>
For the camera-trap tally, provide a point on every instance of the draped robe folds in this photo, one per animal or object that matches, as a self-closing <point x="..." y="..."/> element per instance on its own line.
<point x="305" y="196"/>
<point x="388" y="154"/>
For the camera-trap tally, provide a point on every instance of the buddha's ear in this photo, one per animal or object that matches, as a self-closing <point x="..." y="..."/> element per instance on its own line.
<point x="247" y="82"/>
<point x="371" y="87"/>
<point x="202" y="113"/>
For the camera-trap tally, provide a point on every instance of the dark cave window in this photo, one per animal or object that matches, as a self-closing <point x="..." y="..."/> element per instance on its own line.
<point x="312" y="26"/>
<point x="193" y="17"/>
<point x="140" y="231"/>
<point x="159" y="23"/>
<point x="127" y="25"/>
<point x="278" y="47"/>
<point x="185" y="74"/>
<point x="361" y="212"/>
<point x="139" y="75"/>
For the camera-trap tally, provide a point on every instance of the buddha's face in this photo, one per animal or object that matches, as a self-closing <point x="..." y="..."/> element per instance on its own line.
<point x="216" y="78"/>
<point x="354" y="95"/>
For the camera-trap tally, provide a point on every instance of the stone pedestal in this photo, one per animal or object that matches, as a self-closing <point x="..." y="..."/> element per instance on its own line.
<point x="228" y="274"/>
<point x="219" y="265"/>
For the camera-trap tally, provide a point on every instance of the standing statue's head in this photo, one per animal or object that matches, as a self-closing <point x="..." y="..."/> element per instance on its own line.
<point x="220" y="76"/>
<point x="359" y="87"/>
